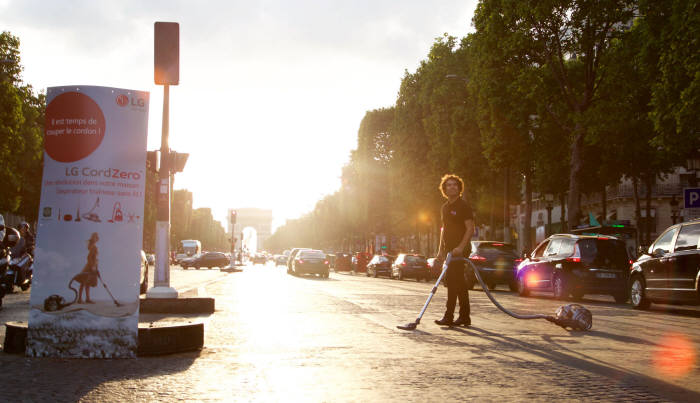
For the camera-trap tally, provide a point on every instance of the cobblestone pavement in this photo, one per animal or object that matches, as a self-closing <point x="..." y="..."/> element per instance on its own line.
<point x="275" y="337"/>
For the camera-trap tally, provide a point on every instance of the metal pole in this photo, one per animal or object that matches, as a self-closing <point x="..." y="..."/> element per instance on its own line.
<point x="161" y="288"/>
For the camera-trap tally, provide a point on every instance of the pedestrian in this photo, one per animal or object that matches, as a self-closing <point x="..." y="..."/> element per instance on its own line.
<point x="88" y="276"/>
<point x="457" y="229"/>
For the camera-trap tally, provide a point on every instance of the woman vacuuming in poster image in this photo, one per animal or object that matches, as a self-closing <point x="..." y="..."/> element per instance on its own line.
<point x="88" y="276"/>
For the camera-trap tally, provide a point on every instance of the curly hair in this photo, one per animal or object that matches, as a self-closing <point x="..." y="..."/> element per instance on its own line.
<point x="443" y="184"/>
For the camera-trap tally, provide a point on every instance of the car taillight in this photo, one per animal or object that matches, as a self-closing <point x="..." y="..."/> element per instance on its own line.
<point x="497" y="244"/>
<point x="403" y="263"/>
<point x="518" y="260"/>
<point x="576" y="256"/>
<point x="300" y="260"/>
<point x="476" y="257"/>
<point x="325" y="262"/>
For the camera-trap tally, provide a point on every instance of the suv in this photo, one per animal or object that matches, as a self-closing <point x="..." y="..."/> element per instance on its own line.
<point x="379" y="264"/>
<point x="576" y="265"/>
<point x="410" y="265"/>
<point x="670" y="270"/>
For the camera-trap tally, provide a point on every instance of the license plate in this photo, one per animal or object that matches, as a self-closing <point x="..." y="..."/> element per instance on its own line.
<point x="605" y="275"/>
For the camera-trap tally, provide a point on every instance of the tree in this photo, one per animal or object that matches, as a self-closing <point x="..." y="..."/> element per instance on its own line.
<point x="569" y="39"/>
<point x="21" y="135"/>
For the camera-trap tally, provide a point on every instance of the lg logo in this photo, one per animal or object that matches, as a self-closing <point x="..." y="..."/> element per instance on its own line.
<point x="123" y="100"/>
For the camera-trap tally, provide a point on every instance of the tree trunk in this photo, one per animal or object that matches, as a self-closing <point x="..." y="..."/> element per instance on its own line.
<point x="562" y="218"/>
<point x="649" y="183"/>
<point x="604" y="202"/>
<point x="574" y="174"/>
<point x="506" y="211"/>
<point x="527" y="239"/>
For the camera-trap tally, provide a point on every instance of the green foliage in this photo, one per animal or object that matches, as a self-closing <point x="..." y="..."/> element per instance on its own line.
<point x="21" y="135"/>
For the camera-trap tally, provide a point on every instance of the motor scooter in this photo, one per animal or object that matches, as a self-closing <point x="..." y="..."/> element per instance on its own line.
<point x="18" y="273"/>
<point x="4" y="266"/>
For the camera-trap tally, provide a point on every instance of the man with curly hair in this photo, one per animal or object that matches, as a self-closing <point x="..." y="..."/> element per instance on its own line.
<point x="457" y="229"/>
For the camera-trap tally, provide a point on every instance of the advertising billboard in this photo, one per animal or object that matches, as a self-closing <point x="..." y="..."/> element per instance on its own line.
<point x="85" y="291"/>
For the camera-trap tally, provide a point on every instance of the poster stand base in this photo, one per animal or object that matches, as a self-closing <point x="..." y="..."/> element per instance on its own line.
<point x="161" y="292"/>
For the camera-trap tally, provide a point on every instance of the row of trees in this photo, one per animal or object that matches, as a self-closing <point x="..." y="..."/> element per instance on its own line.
<point x="560" y="96"/>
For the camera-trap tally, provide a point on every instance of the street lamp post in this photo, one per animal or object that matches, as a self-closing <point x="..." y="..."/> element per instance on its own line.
<point x="549" y="199"/>
<point x="674" y="209"/>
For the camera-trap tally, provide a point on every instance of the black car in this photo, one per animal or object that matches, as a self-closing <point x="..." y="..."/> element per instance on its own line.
<point x="497" y="263"/>
<point x="670" y="270"/>
<point x="379" y="265"/>
<point x="410" y="265"/>
<point x="290" y="258"/>
<point x="575" y="265"/>
<point x="208" y="260"/>
<point x="309" y="261"/>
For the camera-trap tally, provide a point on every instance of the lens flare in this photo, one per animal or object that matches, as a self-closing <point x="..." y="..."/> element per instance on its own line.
<point x="674" y="356"/>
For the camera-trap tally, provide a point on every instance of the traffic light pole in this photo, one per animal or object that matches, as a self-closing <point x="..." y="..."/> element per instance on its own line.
<point x="161" y="288"/>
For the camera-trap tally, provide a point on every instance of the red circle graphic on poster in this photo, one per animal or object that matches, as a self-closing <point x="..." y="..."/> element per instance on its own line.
<point x="75" y="127"/>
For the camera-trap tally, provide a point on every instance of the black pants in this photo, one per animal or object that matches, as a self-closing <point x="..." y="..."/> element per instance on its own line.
<point x="456" y="289"/>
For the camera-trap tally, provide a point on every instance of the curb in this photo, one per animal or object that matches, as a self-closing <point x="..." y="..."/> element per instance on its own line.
<point x="176" y="305"/>
<point x="151" y="340"/>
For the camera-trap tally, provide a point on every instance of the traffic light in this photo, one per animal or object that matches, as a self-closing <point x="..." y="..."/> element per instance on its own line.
<point x="233" y="216"/>
<point x="177" y="161"/>
<point x="153" y="160"/>
<point x="166" y="52"/>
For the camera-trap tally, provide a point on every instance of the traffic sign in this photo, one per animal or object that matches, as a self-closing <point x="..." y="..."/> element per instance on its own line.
<point x="691" y="197"/>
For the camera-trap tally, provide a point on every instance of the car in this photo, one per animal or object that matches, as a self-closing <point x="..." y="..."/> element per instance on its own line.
<point x="669" y="271"/>
<point x="569" y="264"/>
<point x="342" y="262"/>
<point x="258" y="258"/>
<point x="379" y="265"/>
<point x="497" y="263"/>
<point x="310" y="261"/>
<point x="143" y="285"/>
<point x="434" y="267"/>
<point x="410" y="265"/>
<point x="208" y="260"/>
<point x="290" y="258"/>
<point x="280" y="260"/>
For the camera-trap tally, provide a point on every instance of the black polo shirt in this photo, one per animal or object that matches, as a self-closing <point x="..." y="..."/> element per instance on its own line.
<point x="453" y="216"/>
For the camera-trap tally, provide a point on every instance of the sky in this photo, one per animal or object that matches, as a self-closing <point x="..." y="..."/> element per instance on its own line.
<point x="271" y="93"/>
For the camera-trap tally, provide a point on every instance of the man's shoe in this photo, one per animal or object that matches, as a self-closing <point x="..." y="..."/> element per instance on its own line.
<point x="463" y="321"/>
<point x="444" y="322"/>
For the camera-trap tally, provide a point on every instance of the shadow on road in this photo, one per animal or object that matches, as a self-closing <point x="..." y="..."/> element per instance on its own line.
<point x="581" y="362"/>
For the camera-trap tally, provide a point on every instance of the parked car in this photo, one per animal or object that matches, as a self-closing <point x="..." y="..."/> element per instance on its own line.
<point x="208" y="260"/>
<point x="497" y="263"/>
<point x="576" y="265"/>
<point x="410" y="265"/>
<point x="280" y="260"/>
<point x="258" y="258"/>
<point x="309" y="261"/>
<point x="669" y="271"/>
<point x="379" y="265"/>
<point x="143" y="287"/>
<point x="342" y="262"/>
<point x="290" y="258"/>
<point x="434" y="267"/>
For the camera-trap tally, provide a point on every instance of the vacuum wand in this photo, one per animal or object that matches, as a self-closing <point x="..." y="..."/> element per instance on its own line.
<point x="413" y="325"/>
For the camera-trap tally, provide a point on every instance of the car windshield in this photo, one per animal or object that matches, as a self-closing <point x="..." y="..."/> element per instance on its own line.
<point x="414" y="259"/>
<point x="312" y="254"/>
<point x="598" y="250"/>
<point x="497" y="247"/>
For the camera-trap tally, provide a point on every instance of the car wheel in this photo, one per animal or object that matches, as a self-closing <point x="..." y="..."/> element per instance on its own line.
<point x="374" y="273"/>
<point x="400" y="275"/>
<point x="637" y="294"/>
<point x="513" y="285"/>
<point x="577" y="294"/>
<point x="184" y="267"/>
<point x="196" y="266"/>
<point x="492" y="286"/>
<point x="523" y="291"/>
<point x="367" y="273"/>
<point x="559" y="287"/>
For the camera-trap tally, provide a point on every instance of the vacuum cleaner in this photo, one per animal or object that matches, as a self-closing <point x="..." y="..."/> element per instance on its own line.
<point x="56" y="302"/>
<point x="573" y="316"/>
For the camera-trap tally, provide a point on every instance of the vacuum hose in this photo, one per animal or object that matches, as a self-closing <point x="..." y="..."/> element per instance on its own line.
<point x="574" y="316"/>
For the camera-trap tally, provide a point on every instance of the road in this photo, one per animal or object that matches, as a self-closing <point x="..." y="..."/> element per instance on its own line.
<point x="276" y="337"/>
